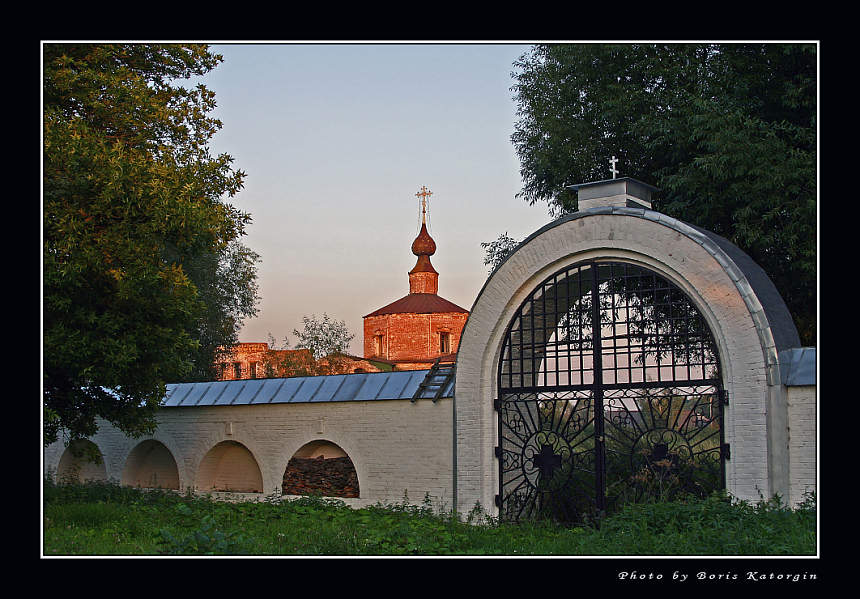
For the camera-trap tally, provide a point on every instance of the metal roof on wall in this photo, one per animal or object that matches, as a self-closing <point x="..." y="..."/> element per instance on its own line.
<point x="367" y="386"/>
<point x="797" y="366"/>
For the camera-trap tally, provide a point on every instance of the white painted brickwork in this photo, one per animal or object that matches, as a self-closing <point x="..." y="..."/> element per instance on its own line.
<point x="397" y="447"/>
<point x="802" y="441"/>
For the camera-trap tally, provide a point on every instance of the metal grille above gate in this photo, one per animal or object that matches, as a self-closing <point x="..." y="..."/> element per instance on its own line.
<point x="592" y="416"/>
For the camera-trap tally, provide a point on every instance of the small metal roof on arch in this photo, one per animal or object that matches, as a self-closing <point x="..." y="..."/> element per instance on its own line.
<point x="367" y="386"/>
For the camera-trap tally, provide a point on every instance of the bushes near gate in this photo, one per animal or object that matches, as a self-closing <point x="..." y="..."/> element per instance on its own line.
<point x="106" y="519"/>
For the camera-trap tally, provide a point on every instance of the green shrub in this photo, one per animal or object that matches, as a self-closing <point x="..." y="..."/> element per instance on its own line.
<point x="103" y="518"/>
<point x="205" y="540"/>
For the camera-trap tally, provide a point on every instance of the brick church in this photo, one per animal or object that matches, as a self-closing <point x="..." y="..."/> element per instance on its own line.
<point x="408" y="334"/>
<point x="421" y="327"/>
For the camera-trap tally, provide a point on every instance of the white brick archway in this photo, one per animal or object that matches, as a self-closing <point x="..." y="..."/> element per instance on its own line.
<point x="719" y="279"/>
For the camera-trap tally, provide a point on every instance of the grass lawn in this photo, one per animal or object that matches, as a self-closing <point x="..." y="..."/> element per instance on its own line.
<point x="106" y="519"/>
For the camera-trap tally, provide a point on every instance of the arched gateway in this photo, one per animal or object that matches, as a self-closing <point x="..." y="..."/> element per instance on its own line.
<point x="677" y="390"/>
<point x="581" y="430"/>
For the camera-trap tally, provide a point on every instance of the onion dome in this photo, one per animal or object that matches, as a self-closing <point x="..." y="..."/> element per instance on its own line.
<point x="423" y="244"/>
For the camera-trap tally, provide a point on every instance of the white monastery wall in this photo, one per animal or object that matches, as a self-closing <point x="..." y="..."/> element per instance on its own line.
<point x="397" y="447"/>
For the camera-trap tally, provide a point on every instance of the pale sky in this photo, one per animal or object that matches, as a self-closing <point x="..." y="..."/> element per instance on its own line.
<point x="337" y="139"/>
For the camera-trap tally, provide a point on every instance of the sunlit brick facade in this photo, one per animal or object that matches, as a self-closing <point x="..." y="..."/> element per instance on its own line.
<point x="248" y="361"/>
<point x="258" y="360"/>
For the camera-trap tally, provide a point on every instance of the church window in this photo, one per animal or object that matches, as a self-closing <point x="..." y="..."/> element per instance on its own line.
<point x="445" y="343"/>
<point x="253" y="369"/>
<point x="237" y="370"/>
<point x="378" y="345"/>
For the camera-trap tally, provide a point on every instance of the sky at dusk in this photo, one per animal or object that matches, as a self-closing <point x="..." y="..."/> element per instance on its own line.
<point x="337" y="139"/>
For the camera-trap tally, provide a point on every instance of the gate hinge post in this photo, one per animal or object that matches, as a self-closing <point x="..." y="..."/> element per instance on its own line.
<point x="724" y="397"/>
<point x="497" y="404"/>
<point x="726" y="451"/>
<point x="498" y="501"/>
<point x="498" y="451"/>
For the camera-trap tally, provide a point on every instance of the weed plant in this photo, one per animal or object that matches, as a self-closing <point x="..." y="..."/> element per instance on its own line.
<point x="107" y="519"/>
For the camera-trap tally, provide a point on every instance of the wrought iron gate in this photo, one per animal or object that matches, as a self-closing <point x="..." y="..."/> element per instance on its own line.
<point x="591" y="417"/>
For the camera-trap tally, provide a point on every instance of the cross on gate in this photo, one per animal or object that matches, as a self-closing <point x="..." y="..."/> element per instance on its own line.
<point x="547" y="460"/>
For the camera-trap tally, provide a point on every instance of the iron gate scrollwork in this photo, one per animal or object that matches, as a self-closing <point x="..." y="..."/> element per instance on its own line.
<point x="609" y="392"/>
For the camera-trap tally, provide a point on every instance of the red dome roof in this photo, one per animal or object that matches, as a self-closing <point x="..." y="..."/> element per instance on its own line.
<point x="423" y="244"/>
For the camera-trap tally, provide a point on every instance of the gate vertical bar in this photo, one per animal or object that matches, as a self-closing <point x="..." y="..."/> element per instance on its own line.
<point x="500" y="498"/>
<point x="597" y="359"/>
<point x="722" y="400"/>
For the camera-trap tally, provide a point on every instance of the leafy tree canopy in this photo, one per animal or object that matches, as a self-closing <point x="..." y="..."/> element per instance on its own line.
<point x="326" y="342"/>
<point x="226" y="282"/>
<point x="726" y="131"/>
<point x="323" y="336"/>
<point x="143" y="271"/>
<point x="496" y="251"/>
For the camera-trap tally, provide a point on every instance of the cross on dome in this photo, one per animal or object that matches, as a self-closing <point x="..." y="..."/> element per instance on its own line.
<point x="424" y="194"/>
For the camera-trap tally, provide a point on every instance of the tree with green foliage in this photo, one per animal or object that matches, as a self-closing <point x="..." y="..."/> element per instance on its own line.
<point x="496" y="251"/>
<point x="323" y="336"/>
<point x="144" y="274"/>
<point x="226" y="281"/>
<point x="325" y="342"/>
<point x="726" y="131"/>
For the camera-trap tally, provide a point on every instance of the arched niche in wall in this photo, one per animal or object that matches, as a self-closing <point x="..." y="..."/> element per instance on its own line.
<point x="150" y="465"/>
<point x="78" y="468"/>
<point x="229" y="466"/>
<point x="321" y="468"/>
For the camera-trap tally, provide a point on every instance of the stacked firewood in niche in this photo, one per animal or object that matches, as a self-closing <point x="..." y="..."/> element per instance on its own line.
<point x="332" y="477"/>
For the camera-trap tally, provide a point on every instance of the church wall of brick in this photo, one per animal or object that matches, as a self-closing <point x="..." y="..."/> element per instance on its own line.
<point x="412" y="336"/>
<point x="423" y="282"/>
<point x="244" y="354"/>
<point x="253" y="359"/>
